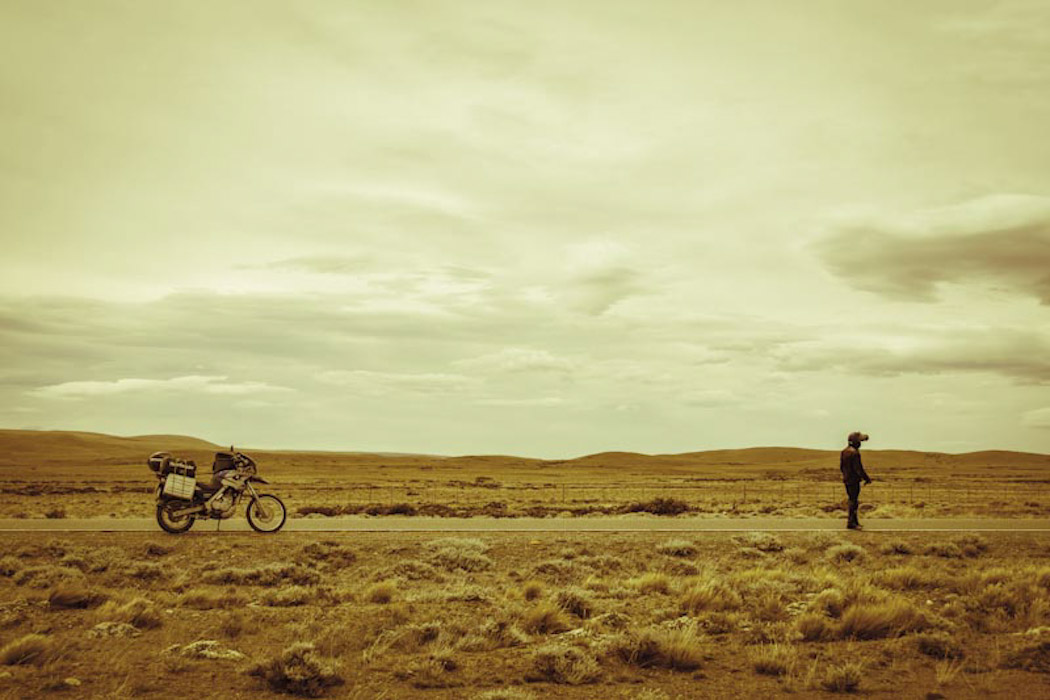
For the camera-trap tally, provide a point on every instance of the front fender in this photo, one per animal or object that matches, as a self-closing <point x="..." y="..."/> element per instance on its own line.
<point x="258" y="479"/>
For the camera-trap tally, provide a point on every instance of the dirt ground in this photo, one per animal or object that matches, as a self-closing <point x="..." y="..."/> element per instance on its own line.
<point x="520" y="615"/>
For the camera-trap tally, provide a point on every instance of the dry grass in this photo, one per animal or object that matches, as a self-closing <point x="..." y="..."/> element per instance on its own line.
<point x="939" y="645"/>
<point x="545" y="618"/>
<point x="293" y="596"/>
<point x="813" y="627"/>
<point x="896" y="547"/>
<point x="459" y="553"/>
<point x="269" y="575"/>
<point x="561" y="663"/>
<point x="34" y="649"/>
<point x="140" y="612"/>
<point x="843" y="678"/>
<point x="678" y="650"/>
<point x="453" y="632"/>
<point x="504" y="694"/>
<point x="677" y="548"/>
<point x="846" y="553"/>
<point x="381" y="593"/>
<point x="652" y="582"/>
<point x="879" y="620"/>
<point x="73" y="596"/>
<point x="774" y="659"/>
<point x="907" y="578"/>
<point x="9" y="566"/>
<point x="212" y="599"/>
<point x="575" y="601"/>
<point x="707" y="595"/>
<point x="300" y="670"/>
<point x="532" y="590"/>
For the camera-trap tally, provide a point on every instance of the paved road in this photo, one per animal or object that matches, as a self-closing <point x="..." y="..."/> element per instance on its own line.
<point x="585" y="524"/>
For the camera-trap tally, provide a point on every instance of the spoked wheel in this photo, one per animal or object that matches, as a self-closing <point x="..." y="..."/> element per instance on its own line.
<point x="168" y="522"/>
<point x="266" y="513"/>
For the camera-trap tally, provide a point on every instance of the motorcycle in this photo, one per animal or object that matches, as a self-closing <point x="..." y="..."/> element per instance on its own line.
<point x="181" y="499"/>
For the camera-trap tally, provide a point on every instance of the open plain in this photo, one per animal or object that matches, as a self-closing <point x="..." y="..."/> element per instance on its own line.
<point x="611" y="576"/>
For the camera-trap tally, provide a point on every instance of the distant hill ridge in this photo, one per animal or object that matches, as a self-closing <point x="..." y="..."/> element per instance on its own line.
<point x="24" y="447"/>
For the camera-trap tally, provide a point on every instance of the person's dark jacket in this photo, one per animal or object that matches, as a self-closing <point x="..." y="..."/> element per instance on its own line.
<point x="852" y="470"/>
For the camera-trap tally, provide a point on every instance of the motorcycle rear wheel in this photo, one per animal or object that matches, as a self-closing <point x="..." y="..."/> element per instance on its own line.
<point x="174" y="526"/>
<point x="266" y="513"/>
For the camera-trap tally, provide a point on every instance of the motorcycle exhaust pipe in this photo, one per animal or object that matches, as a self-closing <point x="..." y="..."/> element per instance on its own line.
<point x="187" y="511"/>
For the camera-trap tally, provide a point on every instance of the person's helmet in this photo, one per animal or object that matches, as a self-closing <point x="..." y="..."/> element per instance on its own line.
<point x="857" y="437"/>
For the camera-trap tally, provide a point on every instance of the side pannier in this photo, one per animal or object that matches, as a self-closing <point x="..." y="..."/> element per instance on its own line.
<point x="181" y="479"/>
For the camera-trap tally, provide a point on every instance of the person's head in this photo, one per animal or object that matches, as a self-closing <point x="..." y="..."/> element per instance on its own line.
<point x="856" y="438"/>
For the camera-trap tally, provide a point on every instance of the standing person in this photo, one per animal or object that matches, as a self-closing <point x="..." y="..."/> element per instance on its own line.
<point x="852" y="474"/>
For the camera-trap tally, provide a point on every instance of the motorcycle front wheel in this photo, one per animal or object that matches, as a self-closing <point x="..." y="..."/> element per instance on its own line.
<point x="266" y="513"/>
<point x="168" y="523"/>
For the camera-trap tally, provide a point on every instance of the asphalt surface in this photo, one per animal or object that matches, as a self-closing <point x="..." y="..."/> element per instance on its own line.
<point x="581" y="524"/>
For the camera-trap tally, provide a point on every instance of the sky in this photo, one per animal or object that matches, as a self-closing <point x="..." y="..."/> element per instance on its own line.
<point x="545" y="229"/>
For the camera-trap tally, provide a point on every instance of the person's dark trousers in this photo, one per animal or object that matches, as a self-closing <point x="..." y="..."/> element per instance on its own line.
<point x="853" y="493"/>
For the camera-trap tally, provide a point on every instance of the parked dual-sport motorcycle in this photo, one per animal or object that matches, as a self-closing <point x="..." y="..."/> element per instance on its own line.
<point x="181" y="499"/>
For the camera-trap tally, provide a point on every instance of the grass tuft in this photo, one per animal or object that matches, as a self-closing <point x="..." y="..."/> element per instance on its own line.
<point x="710" y="595"/>
<point x="561" y="663"/>
<point x="73" y="596"/>
<point x="140" y="612"/>
<point x="652" y="582"/>
<point x="843" y="678"/>
<point x="299" y="670"/>
<point x="814" y="627"/>
<point x="939" y="645"/>
<point x="678" y="650"/>
<point x="383" y="592"/>
<point x="880" y="620"/>
<point x="774" y="660"/>
<point x="545" y="618"/>
<point x="846" y="553"/>
<point x="531" y="590"/>
<point x="677" y="548"/>
<point x="575" y="601"/>
<point x="33" y="649"/>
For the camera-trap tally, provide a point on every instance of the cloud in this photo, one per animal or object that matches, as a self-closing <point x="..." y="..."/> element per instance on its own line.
<point x="708" y="397"/>
<point x="321" y="264"/>
<point x="517" y="360"/>
<point x="537" y="402"/>
<point x="1018" y="354"/>
<point x="601" y="274"/>
<point x="1002" y="240"/>
<point x="192" y="384"/>
<point x="392" y="383"/>
<point x="1039" y="418"/>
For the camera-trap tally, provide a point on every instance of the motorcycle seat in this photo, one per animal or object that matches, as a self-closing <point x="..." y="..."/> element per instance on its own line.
<point x="207" y="489"/>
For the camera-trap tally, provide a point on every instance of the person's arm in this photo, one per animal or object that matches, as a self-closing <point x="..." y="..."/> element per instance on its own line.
<point x="860" y="470"/>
